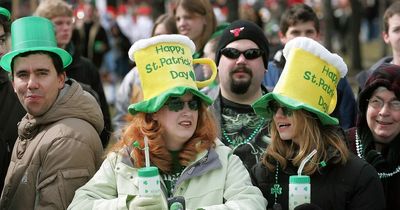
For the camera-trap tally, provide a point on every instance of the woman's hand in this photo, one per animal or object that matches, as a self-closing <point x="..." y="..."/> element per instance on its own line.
<point x="147" y="203"/>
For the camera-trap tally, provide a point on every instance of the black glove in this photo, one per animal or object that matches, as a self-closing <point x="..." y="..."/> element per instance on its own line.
<point x="376" y="159"/>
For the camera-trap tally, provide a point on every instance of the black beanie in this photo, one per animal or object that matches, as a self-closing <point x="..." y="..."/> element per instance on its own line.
<point x="243" y="29"/>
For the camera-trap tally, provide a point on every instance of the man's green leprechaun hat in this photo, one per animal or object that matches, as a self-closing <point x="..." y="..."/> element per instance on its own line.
<point x="308" y="81"/>
<point x="165" y="67"/>
<point x="33" y="33"/>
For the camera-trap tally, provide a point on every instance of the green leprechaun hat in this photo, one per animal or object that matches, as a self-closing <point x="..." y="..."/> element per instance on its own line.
<point x="165" y="67"/>
<point x="33" y="33"/>
<point x="308" y="81"/>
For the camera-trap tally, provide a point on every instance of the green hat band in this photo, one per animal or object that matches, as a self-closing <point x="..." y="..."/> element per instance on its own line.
<point x="33" y="43"/>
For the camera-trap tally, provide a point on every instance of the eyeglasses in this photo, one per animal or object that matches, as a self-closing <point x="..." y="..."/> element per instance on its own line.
<point x="233" y="53"/>
<point x="275" y="106"/>
<point x="379" y="103"/>
<point x="175" y="104"/>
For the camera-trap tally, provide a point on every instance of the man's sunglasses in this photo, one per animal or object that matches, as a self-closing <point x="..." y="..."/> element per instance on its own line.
<point x="249" y="54"/>
<point x="175" y="104"/>
<point x="275" y="106"/>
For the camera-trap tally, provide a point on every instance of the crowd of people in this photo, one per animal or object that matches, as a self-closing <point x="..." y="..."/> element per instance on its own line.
<point x="226" y="122"/>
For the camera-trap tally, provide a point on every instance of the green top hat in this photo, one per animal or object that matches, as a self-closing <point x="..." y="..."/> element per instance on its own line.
<point x="33" y="34"/>
<point x="308" y="81"/>
<point x="5" y="13"/>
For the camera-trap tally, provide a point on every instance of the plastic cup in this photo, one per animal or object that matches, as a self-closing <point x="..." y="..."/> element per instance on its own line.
<point x="299" y="191"/>
<point x="149" y="182"/>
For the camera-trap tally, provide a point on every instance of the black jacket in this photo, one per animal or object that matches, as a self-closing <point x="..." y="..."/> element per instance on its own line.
<point x="85" y="72"/>
<point x="11" y="112"/>
<point x="382" y="163"/>
<point x="354" y="185"/>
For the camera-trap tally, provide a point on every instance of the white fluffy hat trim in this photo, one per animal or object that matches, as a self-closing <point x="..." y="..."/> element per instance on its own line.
<point x="318" y="50"/>
<point x="174" y="38"/>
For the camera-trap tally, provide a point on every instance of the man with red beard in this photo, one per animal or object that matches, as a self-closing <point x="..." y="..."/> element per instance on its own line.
<point x="242" y="58"/>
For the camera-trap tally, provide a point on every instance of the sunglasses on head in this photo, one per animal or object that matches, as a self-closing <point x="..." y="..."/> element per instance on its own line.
<point x="175" y="104"/>
<point x="235" y="53"/>
<point x="275" y="106"/>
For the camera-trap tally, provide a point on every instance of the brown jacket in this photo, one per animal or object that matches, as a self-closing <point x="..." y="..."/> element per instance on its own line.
<point x="55" y="153"/>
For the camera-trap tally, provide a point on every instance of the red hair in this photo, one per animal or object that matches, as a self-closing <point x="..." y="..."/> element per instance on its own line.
<point x="143" y="124"/>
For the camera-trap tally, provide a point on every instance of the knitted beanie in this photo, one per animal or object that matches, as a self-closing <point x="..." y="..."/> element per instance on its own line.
<point x="388" y="76"/>
<point x="242" y="29"/>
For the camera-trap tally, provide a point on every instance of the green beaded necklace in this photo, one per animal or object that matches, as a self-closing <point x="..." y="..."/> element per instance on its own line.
<point x="252" y="135"/>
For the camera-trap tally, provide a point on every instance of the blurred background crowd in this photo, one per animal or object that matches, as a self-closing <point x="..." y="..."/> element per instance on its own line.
<point x="105" y="29"/>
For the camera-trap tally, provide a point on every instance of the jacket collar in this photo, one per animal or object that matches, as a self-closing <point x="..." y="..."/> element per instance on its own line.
<point x="206" y="161"/>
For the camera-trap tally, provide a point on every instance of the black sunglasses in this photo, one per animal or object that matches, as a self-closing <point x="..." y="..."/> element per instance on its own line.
<point x="175" y="104"/>
<point x="275" y="106"/>
<point x="233" y="53"/>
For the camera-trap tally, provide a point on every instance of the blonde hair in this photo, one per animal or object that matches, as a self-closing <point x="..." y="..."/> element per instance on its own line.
<point x="143" y="124"/>
<point x="53" y="8"/>
<point x="310" y="135"/>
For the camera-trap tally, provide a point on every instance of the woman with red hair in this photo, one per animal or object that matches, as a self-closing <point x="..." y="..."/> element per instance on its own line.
<point x="182" y="141"/>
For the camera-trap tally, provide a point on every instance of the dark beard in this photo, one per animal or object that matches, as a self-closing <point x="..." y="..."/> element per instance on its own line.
<point x="241" y="87"/>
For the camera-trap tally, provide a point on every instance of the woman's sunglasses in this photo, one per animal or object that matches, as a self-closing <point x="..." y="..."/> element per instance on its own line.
<point x="233" y="53"/>
<point x="175" y="104"/>
<point x="275" y="106"/>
